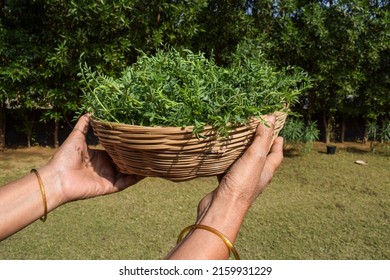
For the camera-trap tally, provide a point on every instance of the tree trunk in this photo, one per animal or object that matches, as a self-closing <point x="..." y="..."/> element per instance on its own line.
<point x="365" y="134"/>
<point x="28" y="140"/>
<point x="343" y="126"/>
<point x="28" y="127"/>
<point x="2" y="125"/>
<point x="327" y="128"/>
<point x="326" y="123"/>
<point x="56" y="134"/>
<point x="382" y="130"/>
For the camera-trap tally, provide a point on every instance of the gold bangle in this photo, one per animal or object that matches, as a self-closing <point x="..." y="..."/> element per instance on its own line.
<point x="44" y="217"/>
<point x="213" y="230"/>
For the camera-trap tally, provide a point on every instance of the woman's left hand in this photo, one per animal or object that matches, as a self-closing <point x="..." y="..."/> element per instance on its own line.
<point x="84" y="172"/>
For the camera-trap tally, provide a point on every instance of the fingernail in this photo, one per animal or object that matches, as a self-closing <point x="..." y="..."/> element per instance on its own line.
<point x="271" y="119"/>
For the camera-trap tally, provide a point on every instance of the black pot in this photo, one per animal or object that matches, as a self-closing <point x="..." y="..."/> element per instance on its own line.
<point x="330" y="150"/>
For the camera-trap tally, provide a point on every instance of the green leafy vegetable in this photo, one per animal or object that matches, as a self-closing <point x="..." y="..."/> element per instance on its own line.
<point x="182" y="88"/>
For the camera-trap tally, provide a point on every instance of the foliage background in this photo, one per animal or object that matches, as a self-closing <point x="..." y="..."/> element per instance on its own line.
<point x="343" y="45"/>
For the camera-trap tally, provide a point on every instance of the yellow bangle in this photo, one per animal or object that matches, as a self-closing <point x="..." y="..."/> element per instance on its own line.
<point x="44" y="217"/>
<point x="213" y="230"/>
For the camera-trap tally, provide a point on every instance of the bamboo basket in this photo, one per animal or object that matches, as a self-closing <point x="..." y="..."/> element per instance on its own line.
<point x="175" y="153"/>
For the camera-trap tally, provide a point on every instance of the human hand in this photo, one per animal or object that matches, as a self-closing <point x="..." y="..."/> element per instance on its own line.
<point x="86" y="173"/>
<point x="75" y="172"/>
<point x="250" y="174"/>
<point x="225" y="208"/>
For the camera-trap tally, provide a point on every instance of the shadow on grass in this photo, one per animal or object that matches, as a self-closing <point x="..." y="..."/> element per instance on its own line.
<point x="292" y="153"/>
<point x="355" y="150"/>
<point x="320" y="148"/>
<point x="380" y="152"/>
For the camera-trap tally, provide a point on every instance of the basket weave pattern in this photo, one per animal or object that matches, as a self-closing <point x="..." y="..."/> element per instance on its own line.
<point x="175" y="153"/>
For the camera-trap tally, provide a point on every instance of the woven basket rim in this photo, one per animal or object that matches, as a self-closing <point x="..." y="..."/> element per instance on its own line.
<point x="181" y="129"/>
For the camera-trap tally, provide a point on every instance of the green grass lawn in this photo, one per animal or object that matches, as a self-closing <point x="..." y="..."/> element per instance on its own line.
<point x="318" y="206"/>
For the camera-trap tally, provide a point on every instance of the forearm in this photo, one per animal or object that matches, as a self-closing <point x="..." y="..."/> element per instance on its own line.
<point x="21" y="201"/>
<point x="225" y="215"/>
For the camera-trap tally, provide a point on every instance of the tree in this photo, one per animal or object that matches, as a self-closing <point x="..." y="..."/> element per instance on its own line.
<point x="373" y="94"/>
<point x="335" y="42"/>
<point x="343" y="45"/>
<point x="46" y="41"/>
<point x="20" y="59"/>
<point x="224" y="24"/>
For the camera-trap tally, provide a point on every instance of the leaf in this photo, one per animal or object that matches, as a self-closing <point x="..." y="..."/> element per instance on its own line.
<point x="182" y="88"/>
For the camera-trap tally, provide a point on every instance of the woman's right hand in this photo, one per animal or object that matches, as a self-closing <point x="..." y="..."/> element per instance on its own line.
<point x="251" y="173"/>
<point x="225" y="208"/>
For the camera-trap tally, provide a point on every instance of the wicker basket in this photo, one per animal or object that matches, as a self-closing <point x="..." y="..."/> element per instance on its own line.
<point x="175" y="153"/>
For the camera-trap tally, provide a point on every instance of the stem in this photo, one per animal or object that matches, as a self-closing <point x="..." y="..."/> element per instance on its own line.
<point x="104" y="108"/>
<point x="95" y="95"/>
